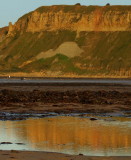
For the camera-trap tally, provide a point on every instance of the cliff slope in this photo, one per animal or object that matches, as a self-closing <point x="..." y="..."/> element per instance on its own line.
<point x="69" y="41"/>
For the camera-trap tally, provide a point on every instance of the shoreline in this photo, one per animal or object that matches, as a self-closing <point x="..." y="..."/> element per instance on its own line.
<point x="33" y="155"/>
<point x="41" y="75"/>
<point x="64" y="98"/>
<point x="35" y="99"/>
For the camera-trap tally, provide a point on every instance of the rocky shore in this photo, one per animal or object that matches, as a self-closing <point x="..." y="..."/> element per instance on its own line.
<point x="40" y="99"/>
<point x="19" y="102"/>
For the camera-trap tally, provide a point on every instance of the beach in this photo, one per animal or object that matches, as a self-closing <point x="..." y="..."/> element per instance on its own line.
<point x="65" y="97"/>
<point x="25" y="100"/>
<point x="20" y="155"/>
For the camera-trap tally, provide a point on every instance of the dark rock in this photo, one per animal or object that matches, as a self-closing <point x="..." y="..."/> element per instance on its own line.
<point x="20" y="143"/>
<point x="55" y="105"/>
<point x="80" y="154"/>
<point x="93" y="119"/>
<point x="6" y="143"/>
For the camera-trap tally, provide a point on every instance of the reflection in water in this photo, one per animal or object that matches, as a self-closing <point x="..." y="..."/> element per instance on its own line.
<point x="70" y="135"/>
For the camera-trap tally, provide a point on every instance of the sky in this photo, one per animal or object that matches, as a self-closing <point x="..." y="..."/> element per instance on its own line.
<point x="11" y="10"/>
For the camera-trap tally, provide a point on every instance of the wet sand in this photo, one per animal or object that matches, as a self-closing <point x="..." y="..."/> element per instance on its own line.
<point x="38" y="98"/>
<point x="20" y="155"/>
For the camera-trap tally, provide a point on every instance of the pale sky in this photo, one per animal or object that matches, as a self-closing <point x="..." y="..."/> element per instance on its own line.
<point x="11" y="10"/>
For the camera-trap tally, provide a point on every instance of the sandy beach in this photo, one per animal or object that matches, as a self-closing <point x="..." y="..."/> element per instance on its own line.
<point x="38" y="98"/>
<point x="20" y="155"/>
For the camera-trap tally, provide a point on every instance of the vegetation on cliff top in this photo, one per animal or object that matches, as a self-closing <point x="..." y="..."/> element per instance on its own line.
<point x="104" y="53"/>
<point x="81" y="9"/>
<point x="78" y="9"/>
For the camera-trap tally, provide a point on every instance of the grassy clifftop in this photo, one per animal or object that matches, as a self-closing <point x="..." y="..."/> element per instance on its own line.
<point x="76" y="18"/>
<point x="79" y="9"/>
<point x="68" y="52"/>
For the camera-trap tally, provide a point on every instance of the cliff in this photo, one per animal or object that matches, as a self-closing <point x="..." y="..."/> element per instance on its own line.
<point x="3" y="33"/>
<point x="75" y="18"/>
<point x="69" y="41"/>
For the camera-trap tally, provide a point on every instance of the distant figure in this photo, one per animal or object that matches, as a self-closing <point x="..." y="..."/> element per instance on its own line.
<point x="9" y="76"/>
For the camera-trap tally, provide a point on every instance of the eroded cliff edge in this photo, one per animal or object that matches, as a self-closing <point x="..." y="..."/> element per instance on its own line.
<point x="69" y="41"/>
<point x="76" y="18"/>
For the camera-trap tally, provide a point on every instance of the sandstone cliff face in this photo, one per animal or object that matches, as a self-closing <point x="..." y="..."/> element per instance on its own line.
<point x="50" y="41"/>
<point x="3" y="33"/>
<point x="76" y="18"/>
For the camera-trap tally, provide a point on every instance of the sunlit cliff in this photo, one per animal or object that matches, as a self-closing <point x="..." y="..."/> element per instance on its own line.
<point x="75" y="18"/>
<point x="69" y="41"/>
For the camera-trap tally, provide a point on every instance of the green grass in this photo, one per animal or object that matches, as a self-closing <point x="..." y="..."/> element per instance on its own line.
<point x="29" y="45"/>
<point x="67" y="8"/>
<point x="82" y="9"/>
<point x="106" y="52"/>
<point x="57" y="63"/>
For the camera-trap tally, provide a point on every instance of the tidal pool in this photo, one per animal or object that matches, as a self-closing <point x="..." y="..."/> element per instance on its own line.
<point x="66" y="134"/>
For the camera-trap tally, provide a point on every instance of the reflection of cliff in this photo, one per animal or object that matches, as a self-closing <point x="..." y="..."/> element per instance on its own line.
<point x="80" y="132"/>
